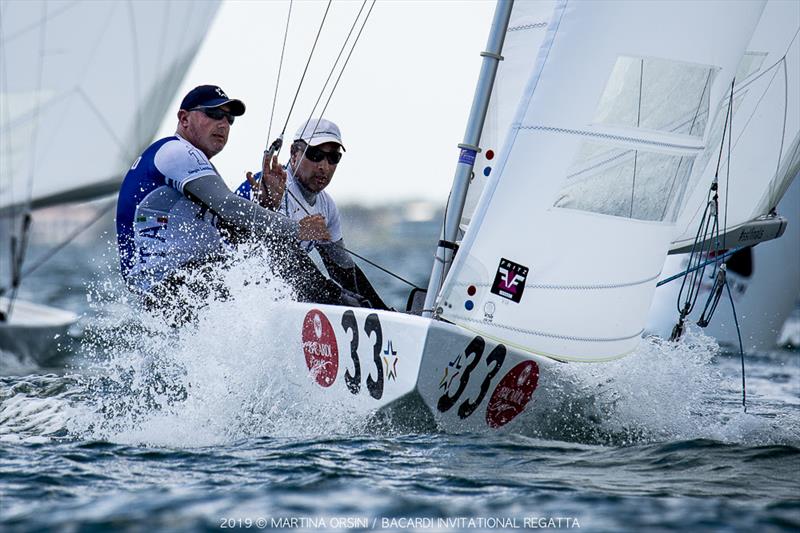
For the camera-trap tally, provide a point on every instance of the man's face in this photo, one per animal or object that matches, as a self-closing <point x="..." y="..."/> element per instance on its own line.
<point x="314" y="176"/>
<point x="208" y="134"/>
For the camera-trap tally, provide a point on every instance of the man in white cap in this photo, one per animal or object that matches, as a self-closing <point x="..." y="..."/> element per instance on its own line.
<point x="300" y="195"/>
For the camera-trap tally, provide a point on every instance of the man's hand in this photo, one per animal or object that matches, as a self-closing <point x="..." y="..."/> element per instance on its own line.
<point x="314" y="228"/>
<point x="273" y="184"/>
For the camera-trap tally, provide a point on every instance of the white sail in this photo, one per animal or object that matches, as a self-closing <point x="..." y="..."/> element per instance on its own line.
<point x="569" y="237"/>
<point x="83" y="88"/>
<point x="527" y="28"/>
<point x="765" y="152"/>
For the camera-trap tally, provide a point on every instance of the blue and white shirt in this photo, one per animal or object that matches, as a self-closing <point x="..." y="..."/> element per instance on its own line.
<point x="296" y="207"/>
<point x="159" y="229"/>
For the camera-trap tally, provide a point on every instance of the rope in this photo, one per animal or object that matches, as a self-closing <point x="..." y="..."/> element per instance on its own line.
<point x="741" y="346"/>
<point x="333" y="89"/>
<point x="336" y="62"/>
<point x="308" y="62"/>
<point x="280" y="68"/>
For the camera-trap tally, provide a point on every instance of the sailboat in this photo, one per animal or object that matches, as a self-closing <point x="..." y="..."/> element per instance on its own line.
<point x="765" y="280"/>
<point x="588" y="146"/>
<point x="83" y="89"/>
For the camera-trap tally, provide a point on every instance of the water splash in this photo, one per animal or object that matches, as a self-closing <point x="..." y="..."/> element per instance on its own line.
<point x="227" y="375"/>
<point x="665" y="391"/>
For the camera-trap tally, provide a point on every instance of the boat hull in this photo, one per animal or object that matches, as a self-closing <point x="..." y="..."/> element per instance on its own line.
<point x="31" y="333"/>
<point x="415" y="371"/>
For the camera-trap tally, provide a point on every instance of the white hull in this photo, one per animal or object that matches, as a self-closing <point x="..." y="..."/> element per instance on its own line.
<point x="419" y="371"/>
<point x="30" y="333"/>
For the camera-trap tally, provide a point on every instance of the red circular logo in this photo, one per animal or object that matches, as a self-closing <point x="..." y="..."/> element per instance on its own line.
<point x="512" y="394"/>
<point x="319" y="345"/>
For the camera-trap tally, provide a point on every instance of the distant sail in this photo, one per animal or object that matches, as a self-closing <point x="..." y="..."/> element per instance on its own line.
<point x="765" y="154"/>
<point x="83" y="88"/>
<point x="568" y="240"/>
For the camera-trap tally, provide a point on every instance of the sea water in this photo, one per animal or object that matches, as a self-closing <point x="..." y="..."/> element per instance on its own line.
<point x="137" y="426"/>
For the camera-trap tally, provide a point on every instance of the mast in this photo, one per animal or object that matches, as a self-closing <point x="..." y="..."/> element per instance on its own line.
<point x="469" y="148"/>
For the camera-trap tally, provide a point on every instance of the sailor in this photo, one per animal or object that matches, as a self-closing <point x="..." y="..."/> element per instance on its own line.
<point x="315" y="153"/>
<point x="176" y="216"/>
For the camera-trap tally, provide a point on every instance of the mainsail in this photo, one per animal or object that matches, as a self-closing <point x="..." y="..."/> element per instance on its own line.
<point x="83" y="88"/>
<point x="568" y="239"/>
<point x="765" y="123"/>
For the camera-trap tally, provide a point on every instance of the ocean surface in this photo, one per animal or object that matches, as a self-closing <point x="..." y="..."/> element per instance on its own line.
<point x="90" y="441"/>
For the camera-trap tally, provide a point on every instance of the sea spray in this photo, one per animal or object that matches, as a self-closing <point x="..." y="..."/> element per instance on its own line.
<point x="663" y="391"/>
<point x="231" y="373"/>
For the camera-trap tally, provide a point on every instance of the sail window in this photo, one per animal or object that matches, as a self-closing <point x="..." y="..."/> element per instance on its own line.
<point x="657" y="94"/>
<point x="625" y="182"/>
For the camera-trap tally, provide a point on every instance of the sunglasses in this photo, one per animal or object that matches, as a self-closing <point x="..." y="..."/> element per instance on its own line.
<point x="316" y="155"/>
<point x="215" y="113"/>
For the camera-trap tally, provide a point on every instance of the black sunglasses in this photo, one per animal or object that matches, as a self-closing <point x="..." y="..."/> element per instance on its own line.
<point x="215" y="113"/>
<point x="316" y="155"/>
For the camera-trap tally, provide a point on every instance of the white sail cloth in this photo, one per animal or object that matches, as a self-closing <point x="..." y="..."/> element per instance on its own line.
<point x="527" y="28"/>
<point x="564" y="250"/>
<point x="83" y="88"/>
<point x="765" y="152"/>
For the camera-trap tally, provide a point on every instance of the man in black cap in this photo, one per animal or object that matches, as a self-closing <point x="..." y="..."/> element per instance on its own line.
<point x="175" y="214"/>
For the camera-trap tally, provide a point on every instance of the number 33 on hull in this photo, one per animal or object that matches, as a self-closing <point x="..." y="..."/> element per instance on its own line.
<point x="423" y="372"/>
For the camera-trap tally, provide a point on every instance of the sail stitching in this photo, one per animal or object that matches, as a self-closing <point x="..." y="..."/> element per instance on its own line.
<point x="522" y="27"/>
<point x="555" y="335"/>
<point x="571" y="287"/>
<point x="599" y="135"/>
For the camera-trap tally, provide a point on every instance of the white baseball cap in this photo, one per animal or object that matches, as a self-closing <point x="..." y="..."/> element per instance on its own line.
<point x="318" y="131"/>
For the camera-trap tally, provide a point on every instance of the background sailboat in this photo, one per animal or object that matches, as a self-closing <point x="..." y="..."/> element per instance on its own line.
<point x="83" y="88"/>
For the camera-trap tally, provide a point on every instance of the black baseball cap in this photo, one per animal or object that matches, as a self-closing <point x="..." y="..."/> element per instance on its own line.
<point x="211" y="96"/>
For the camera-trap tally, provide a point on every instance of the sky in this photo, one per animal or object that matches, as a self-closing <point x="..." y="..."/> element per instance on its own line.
<point x="402" y="102"/>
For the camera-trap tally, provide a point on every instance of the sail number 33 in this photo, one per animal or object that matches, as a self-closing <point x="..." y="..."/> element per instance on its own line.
<point x="474" y="350"/>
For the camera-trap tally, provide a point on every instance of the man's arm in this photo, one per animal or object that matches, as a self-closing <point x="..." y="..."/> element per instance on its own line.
<point x="240" y="215"/>
<point x="244" y="217"/>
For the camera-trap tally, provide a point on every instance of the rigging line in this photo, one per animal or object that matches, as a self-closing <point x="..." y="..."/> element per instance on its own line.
<point x="747" y="83"/>
<point x="706" y="263"/>
<point x="347" y="60"/>
<point x="136" y="69"/>
<point x="333" y="68"/>
<point x="19" y="243"/>
<point x="756" y="108"/>
<point x="783" y="133"/>
<point x="638" y="124"/>
<point x="71" y="237"/>
<point x="280" y="68"/>
<point x="728" y="166"/>
<point x="741" y="345"/>
<point x="308" y="62"/>
<point x="350" y="251"/>
<point x="4" y="119"/>
<point x="35" y="129"/>
<point x="344" y="65"/>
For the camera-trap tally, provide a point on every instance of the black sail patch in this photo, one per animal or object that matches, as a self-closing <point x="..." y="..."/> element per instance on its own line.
<point x="509" y="282"/>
